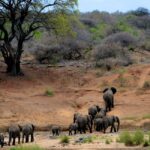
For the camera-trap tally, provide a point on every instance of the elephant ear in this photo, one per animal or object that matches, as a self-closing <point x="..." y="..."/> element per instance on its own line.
<point x="105" y="90"/>
<point x="33" y="127"/>
<point x="98" y="108"/>
<point x="114" y="90"/>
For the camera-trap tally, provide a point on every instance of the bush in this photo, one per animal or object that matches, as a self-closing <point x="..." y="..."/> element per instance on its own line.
<point x="88" y="139"/>
<point x="107" y="141"/>
<point x="46" y="55"/>
<point x="126" y="138"/>
<point x="130" y="140"/>
<point x="138" y="137"/>
<point x="26" y="148"/>
<point x="49" y="93"/>
<point x="123" y="82"/>
<point x="123" y="38"/>
<point x="110" y="55"/>
<point x="146" y="143"/>
<point x="146" y="85"/>
<point x="65" y="139"/>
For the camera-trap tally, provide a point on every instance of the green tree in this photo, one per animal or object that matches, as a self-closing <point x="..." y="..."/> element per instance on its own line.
<point x="20" y="21"/>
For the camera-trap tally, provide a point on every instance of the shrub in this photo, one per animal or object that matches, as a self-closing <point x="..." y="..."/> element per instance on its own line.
<point x="126" y="138"/>
<point x="123" y="38"/>
<point x="107" y="141"/>
<point x="110" y="55"/>
<point x="49" y="93"/>
<point x="146" y="85"/>
<point x="49" y="54"/>
<point x="26" y="148"/>
<point x="88" y="139"/>
<point x="130" y="140"/>
<point x="65" y="139"/>
<point x="146" y="143"/>
<point x="123" y="82"/>
<point x="138" y="137"/>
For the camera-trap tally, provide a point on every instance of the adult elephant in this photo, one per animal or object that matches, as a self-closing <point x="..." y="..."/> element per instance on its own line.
<point x="109" y="121"/>
<point x="108" y="97"/>
<point x="83" y="121"/>
<point x="93" y="110"/>
<point x="28" y="130"/>
<point x="14" y="132"/>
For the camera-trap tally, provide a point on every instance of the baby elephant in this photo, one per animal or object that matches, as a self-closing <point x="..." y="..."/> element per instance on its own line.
<point x="55" y="130"/>
<point x="73" y="127"/>
<point x="14" y="132"/>
<point x="2" y="140"/>
<point x="28" y="130"/>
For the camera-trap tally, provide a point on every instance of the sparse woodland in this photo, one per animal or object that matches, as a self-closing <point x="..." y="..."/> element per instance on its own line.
<point x="71" y="64"/>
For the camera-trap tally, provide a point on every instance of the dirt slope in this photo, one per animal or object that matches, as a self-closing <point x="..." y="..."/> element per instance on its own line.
<point x="23" y="99"/>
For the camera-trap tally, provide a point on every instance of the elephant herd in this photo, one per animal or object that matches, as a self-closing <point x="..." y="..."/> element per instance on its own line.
<point x="14" y="132"/>
<point x="96" y="119"/>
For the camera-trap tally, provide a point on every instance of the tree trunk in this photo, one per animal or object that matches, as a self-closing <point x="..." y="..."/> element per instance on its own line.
<point x="13" y="66"/>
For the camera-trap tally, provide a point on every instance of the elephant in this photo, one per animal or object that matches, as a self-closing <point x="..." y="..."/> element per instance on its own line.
<point x="14" y="132"/>
<point x="75" y="117"/>
<point x="2" y="140"/>
<point x="73" y="127"/>
<point x="93" y="110"/>
<point x="28" y="130"/>
<point x="98" y="124"/>
<point x="83" y="121"/>
<point x="110" y="121"/>
<point x="55" y="130"/>
<point x="101" y="114"/>
<point x="108" y="97"/>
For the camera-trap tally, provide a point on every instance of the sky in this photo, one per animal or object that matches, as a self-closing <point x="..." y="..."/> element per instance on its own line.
<point x="112" y="5"/>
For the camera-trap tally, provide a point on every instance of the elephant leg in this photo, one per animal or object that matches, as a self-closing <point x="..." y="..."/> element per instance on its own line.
<point x="53" y="133"/>
<point x="90" y="127"/>
<point x="84" y="130"/>
<point x="104" y="131"/>
<point x="75" y="132"/>
<point x="1" y="145"/>
<point x="111" y="129"/>
<point x="10" y="138"/>
<point x="19" y="139"/>
<point x="32" y="137"/>
<point x="57" y="133"/>
<point x="108" y="108"/>
<point x="80" y="130"/>
<point x="14" y="141"/>
<point x="115" y="129"/>
<point x="22" y="137"/>
<point x="27" y="138"/>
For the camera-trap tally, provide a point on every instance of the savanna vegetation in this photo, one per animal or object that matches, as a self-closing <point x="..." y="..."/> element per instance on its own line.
<point x="58" y="32"/>
<point x="105" y="39"/>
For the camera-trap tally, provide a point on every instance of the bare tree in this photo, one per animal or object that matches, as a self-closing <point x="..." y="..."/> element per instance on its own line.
<point x="19" y="19"/>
